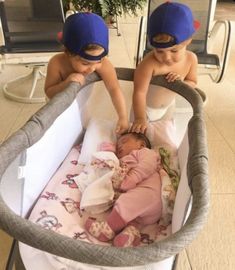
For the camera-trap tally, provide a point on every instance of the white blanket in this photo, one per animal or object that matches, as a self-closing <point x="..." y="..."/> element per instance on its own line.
<point x="95" y="182"/>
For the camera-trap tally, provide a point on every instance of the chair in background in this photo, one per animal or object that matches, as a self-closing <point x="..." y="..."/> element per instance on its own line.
<point x="29" y="37"/>
<point x="212" y="57"/>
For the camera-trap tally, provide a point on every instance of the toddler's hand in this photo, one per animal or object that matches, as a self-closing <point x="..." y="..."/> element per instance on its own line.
<point x="122" y="126"/>
<point x="172" y="76"/>
<point x="76" y="77"/>
<point x="139" y="126"/>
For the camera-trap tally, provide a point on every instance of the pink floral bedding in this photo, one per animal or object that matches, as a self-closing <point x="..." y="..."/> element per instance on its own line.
<point x="58" y="207"/>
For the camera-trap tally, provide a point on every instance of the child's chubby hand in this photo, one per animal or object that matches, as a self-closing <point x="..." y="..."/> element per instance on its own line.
<point x="76" y="77"/>
<point x="172" y="76"/>
<point x="122" y="126"/>
<point x="139" y="126"/>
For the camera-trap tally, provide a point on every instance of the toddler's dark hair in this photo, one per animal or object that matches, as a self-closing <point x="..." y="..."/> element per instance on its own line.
<point x="140" y="136"/>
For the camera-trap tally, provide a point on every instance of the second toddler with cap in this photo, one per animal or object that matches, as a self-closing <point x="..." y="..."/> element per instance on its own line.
<point x="85" y="39"/>
<point x="170" y="29"/>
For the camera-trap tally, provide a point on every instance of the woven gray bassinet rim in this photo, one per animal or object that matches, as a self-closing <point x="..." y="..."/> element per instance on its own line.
<point x="32" y="234"/>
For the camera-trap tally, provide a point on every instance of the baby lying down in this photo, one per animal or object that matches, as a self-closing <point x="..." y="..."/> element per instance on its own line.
<point x="131" y="170"/>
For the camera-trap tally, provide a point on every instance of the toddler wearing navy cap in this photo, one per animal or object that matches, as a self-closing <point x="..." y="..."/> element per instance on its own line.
<point x="170" y="29"/>
<point x="86" y="41"/>
<point x="83" y="29"/>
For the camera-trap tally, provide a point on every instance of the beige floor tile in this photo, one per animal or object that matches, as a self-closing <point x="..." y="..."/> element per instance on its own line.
<point x="129" y="29"/>
<point x="118" y="54"/>
<point x="15" y="114"/>
<point x="231" y="67"/>
<point x="130" y="18"/>
<point x="221" y="168"/>
<point x="224" y="121"/>
<point x="130" y="33"/>
<point x="214" y="248"/>
<point x="24" y="115"/>
<point x="217" y="94"/>
<point x="5" y="245"/>
<point x="217" y="98"/>
<point x="8" y="116"/>
<point x="213" y="133"/>
<point x="183" y="262"/>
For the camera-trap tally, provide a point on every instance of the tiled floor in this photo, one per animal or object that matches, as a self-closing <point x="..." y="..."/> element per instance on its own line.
<point x="214" y="249"/>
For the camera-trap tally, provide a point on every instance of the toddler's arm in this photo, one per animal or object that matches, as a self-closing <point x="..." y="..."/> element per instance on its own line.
<point x="191" y="77"/>
<point x="142" y="77"/>
<point x="54" y="83"/>
<point x="109" y="76"/>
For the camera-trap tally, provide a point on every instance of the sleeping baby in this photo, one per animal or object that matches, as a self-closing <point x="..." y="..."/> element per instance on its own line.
<point x="139" y="202"/>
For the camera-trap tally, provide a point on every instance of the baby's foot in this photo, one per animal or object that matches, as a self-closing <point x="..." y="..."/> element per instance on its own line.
<point x="129" y="237"/>
<point x="99" y="229"/>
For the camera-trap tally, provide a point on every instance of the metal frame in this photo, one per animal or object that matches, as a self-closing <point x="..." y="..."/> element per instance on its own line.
<point x="27" y="52"/>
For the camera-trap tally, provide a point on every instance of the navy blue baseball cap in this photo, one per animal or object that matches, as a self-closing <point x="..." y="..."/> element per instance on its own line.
<point x="174" y="19"/>
<point x="83" y="29"/>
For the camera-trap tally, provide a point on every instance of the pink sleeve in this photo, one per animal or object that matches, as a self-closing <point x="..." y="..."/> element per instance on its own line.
<point x="147" y="162"/>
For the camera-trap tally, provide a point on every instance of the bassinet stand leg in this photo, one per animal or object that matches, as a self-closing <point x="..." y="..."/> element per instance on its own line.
<point x="33" y="77"/>
<point x="174" y="266"/>
<point x="11" y="257"/>
<point x="14" y="258"/>
<point x="18" y="262"/>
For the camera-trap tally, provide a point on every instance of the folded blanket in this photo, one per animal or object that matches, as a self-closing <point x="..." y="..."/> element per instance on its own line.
<point x="95" y="182"/>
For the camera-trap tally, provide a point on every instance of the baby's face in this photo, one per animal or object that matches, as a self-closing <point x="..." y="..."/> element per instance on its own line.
<point x="126" y="144"/>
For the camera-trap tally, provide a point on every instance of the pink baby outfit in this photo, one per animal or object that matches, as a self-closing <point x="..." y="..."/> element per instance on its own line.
<point x="141" y="200"/>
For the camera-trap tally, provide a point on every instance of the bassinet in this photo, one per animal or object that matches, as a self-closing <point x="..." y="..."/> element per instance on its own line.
<point x="28" y="160"/>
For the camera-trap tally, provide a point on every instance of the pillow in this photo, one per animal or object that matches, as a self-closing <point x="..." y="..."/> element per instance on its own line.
<point x="162" y="133"/>
<point x="98" y="131"/>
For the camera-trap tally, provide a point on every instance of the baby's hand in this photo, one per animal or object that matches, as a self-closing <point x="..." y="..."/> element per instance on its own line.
<point x="76" y="77"/>
<point x="139" y="126"/>
<point x="172" y="76"/>
<point x="122" y="126"/>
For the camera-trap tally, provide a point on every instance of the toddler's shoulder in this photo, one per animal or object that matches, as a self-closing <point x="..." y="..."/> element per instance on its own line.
<point x="57" y="59"/>
<point x="148" y="63"/>
<point x="192" y="57"/>
<point x="105" y="67"/>
<point x="149" y="57"/>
